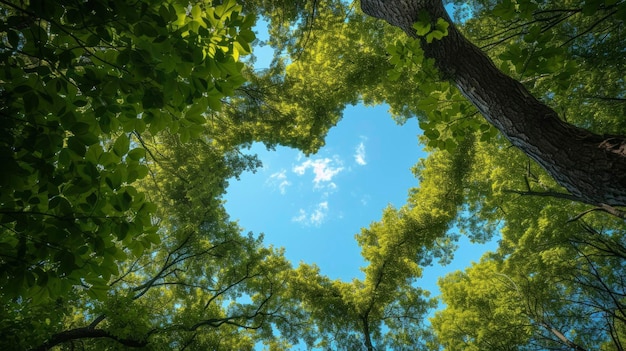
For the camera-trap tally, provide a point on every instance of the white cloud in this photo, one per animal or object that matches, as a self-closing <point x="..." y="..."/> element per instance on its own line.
<point x="322" y="168"/>
<point x="316" y="217"/>
<point x="301" y="217"/>
<point x="359" y="155"/>
<point x="319" y="214"/>
<point x="279" y="180"/>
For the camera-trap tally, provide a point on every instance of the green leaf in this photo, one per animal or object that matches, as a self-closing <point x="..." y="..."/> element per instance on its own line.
<point x="423" y="25"/>
<point x="533" y="34"/>
<point x="98" y="291"/>
<point x="152" y="238"/>
<point x="64" y="157"/>
<point x="142" y="171"/>
<point x="114" y="180"/>
<point x="77" y="146"/>
<point x="93" y="40"/>
<point x="196" y="111"/>
<point x="125" y="200"/>
<point x="31" y="102"/>
<point x="21" y="89"/>
<point x="67" y="261"/>
<point x="145" y="28"/>
<point x="88" y="139"/>
<point x="504" y="9"/>
<point x="80" y="102"/>
<point x="166" y="13"/>
<point x="123" y="57"/>
<point x="122" y="143"/>
<point x="92" y="199"/>
<point x="136" y="248"/>
<point x="393" y="74"/>
<point x="432" y="134"/>
<point x="42" y="279"/>
<point x="590" y="7"/>
<point x="430" y="36"/>
<point x="14" y="38"/>
<point x="442" y="26"/>
<point x="247" y="35"/>
<point x="136" y="154"/>
<point x="196" y="11"/>
<point x="152" y="98"/>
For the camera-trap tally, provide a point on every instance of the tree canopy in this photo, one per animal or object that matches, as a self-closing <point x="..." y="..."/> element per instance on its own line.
<point x="122" y="122"/>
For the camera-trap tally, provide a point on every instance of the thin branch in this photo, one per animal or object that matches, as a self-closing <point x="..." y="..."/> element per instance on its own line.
<point x="606" y="98"/>
<point x="604" y="208"/>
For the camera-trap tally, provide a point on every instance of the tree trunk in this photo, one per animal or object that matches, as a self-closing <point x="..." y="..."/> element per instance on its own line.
<point x="366" y="334"/>
<point x="591" y="167"/>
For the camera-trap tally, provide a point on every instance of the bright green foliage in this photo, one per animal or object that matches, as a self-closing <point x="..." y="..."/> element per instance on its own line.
<point x="553" y="273"/>
<point x="445" y="117"/>
<point x="424" y="28"/>
<point x="81" y="82"/>
<point x="347" y="316"/>
<point x="295" y="104"/>
<point x="485" y="311"/>
<point x="312" y="79"/>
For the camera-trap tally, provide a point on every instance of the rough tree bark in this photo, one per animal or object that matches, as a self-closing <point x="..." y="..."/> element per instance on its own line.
<point x="591" y="167"/>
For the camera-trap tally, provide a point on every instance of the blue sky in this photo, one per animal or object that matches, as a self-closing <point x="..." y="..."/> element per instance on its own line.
<point x="313" y="206"/>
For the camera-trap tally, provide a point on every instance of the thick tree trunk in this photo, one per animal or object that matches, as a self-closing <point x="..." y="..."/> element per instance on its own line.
<point x="591" y="167"/>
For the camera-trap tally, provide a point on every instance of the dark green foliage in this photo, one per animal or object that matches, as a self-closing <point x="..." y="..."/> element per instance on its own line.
<point x="81" y="83"/>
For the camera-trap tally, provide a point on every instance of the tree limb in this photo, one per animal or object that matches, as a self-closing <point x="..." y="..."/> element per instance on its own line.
<point x="87" y="333"/>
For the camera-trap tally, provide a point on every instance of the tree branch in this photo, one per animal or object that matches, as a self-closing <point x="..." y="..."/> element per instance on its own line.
<point x="604" y="208"/>
<point x="87" y="333"/>
<point x="553" y="194"/>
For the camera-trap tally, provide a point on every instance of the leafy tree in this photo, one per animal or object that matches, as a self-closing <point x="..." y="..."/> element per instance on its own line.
<point x="555" y="281"/>
<point x="205" y="285"/>
<point x="569" y="297"/>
